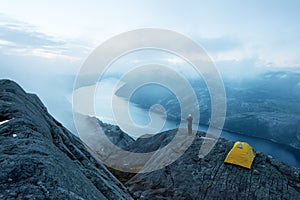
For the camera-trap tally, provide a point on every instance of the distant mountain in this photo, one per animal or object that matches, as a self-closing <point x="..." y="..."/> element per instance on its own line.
<point x="267" y="106"/>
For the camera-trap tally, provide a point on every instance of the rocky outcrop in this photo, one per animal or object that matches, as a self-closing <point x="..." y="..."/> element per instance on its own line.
<point x="116" y="135"/>
<point x="191" y="177"/>
<point x="40" y="159"/>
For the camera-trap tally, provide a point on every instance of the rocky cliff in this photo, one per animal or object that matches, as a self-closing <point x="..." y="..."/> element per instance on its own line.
<point x="40" y="159"/>
<point x="191" y="177"/>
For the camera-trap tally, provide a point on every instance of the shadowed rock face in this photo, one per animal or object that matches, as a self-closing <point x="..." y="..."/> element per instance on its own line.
<point x="209" y="178"/>
<point x="191" y="177"/>
<point x="116" y="135"/>
<point x="40" y="159"/>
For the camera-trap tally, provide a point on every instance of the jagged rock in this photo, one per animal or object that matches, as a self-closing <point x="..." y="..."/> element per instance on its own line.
<point x="191" y="177"/>
<point x="40" y="159"/>
<point x="116" y="135"/>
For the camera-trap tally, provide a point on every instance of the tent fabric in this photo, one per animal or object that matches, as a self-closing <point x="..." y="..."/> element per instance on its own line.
<point x="241" y="154"/>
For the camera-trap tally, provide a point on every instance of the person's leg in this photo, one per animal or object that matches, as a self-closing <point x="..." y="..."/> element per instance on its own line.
<point x="190" y="128"/>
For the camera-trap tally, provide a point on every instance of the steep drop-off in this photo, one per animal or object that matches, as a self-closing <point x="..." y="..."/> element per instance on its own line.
<point x="40" y="159"/>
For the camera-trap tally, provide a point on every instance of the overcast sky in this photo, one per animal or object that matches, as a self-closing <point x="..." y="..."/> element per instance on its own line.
<point x="266" y="32"/>
<point x="44" y="43"/>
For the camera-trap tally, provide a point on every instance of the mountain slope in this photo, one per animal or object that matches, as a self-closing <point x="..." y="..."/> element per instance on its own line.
<point x="40" y="159"/>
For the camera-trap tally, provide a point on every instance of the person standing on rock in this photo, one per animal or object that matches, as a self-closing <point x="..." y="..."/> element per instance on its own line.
<point x="190" y="123"/>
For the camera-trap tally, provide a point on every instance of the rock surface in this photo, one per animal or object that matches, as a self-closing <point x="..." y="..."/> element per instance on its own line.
<point x="116" y="135"/>
<point x="40" y="159"/>
<point x="191" y="177"/>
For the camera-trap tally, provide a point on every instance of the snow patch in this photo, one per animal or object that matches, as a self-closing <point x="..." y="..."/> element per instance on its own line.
<point x="4" y="121"/>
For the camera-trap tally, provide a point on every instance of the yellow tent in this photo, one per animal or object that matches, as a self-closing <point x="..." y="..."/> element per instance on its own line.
<point x="241" y="154"/>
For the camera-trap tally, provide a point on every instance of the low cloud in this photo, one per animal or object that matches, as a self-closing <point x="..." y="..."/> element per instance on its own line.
<point x="27" y="36"/>
<point x="41" y="64"/>
<point x="20" y="39"/>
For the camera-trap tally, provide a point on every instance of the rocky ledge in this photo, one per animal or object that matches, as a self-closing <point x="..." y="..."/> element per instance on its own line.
<point x="191" y="177"/>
